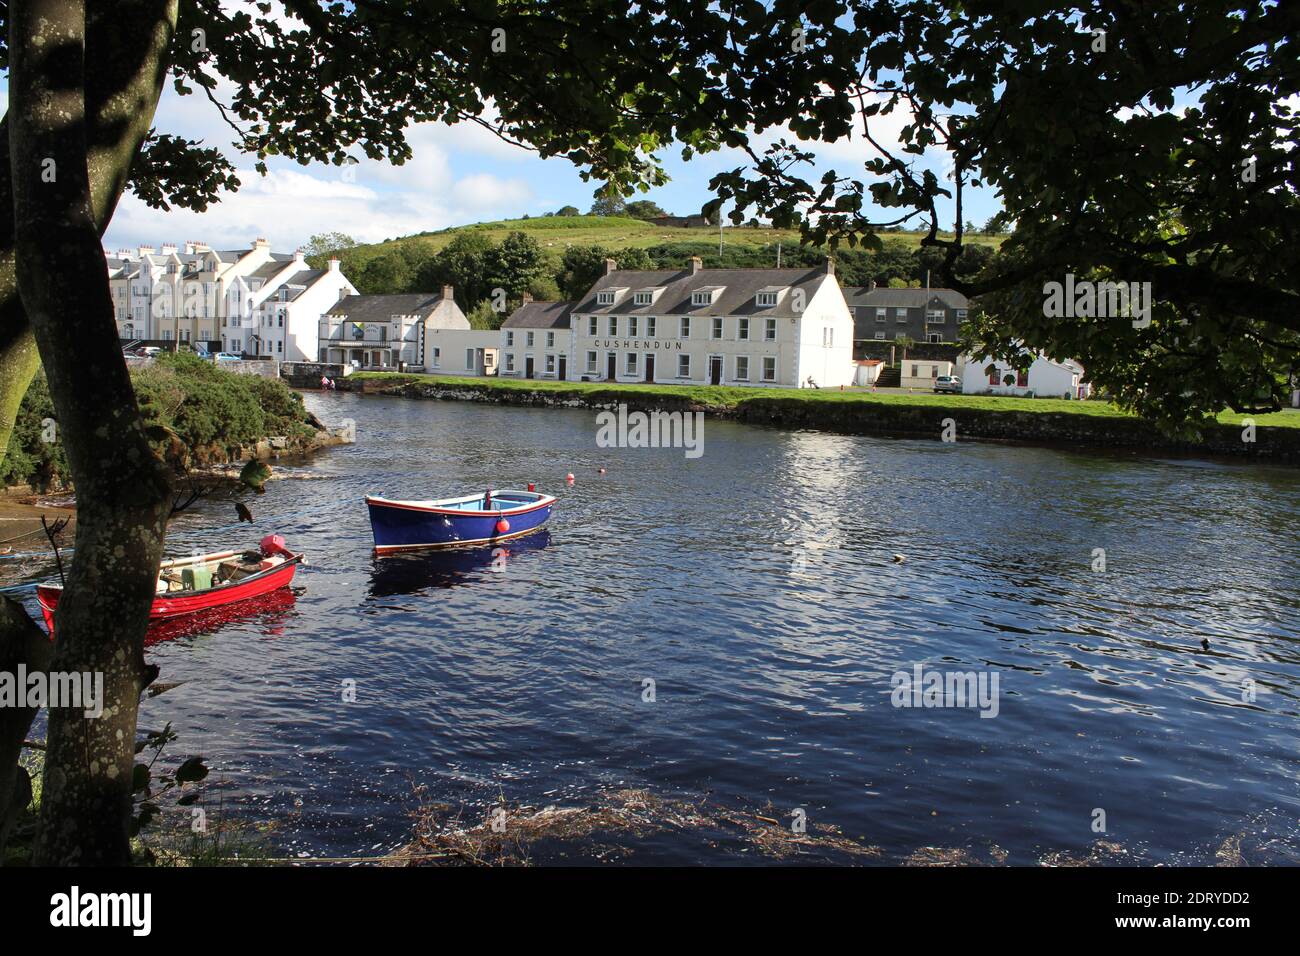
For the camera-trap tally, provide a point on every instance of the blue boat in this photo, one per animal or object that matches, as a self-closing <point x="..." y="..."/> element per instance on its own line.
<point x="485" y="518"/>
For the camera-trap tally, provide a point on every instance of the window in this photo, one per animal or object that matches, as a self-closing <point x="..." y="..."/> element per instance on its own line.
<point x="605" y="298"/>
<point x="631" y="326"/>
<point x="437" y="355"/>
<point x="550" y="340"/>
<point x="281" y="318"/>
<point x="993" y="377"/>
<point x="716" y="331"/>
<point x="915" y="372"/>
<point x="528" y="339"/>
<point x="167" y="335"/>
<point x="185" y="335"/>
<point x="742" y="368"/>
<point x="881" y="314"/>
<point x="591" y="325"/>
<point x="935" y="317"/>
<point x="936" y="337"/>
<point x="769" y="330"/>
<point x="766" y="299"/>
<point x="900" y="315"/>
<point x="1022" y="377"/>
<point x="899" y="336"/>
<point x="613" y="325"/>
<point x="769" y="368"/>
<point x="510" y="361"/>
<point x="469" y="359"/>
<point x="961" y="315"/>
<point x="650" y="326"/>
<point x="934" y="371"/>
<point x="684" y="331"/>
<point x="742" y="329"/>
<point x="702" y="298"/>
<point x="828" y="337"/>
<point x="683" y="366"/>
<point x="880" y="335"/>
<point x="631" y="363"/>
<point x="550" y="362"/>
<point x="510" y="338"/>
<point x="591" y="361"/>
<point x="644" y="298"/>
<point x="279" y="346"/>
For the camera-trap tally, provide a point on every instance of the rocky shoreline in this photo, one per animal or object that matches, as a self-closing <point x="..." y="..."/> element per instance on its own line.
<point x="1279" y="445"/>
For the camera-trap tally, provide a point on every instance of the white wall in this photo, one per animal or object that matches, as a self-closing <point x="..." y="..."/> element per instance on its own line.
<point x="1047" y="379"/>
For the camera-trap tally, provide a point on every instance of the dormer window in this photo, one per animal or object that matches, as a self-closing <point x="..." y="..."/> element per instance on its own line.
<point x="703" y="297"/>
<point x="605" y="298"/>
<point x="765" y="300"/>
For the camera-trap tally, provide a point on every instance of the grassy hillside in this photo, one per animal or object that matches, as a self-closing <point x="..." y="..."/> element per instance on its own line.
<point x="554" y="233"/>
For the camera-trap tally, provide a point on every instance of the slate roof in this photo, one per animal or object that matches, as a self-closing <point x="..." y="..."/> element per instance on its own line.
<point x="381" y="308"/>
<point x="885" y="298"/>
<point x="540" y="315"/>
<point x="738" y="296"/>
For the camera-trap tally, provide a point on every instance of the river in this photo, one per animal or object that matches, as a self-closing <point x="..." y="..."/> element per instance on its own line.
<point x="759" y="588"/>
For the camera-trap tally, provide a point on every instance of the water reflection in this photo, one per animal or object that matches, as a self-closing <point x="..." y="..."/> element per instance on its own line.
<point x="271" y="611"/>
<point x="416" y="571"/>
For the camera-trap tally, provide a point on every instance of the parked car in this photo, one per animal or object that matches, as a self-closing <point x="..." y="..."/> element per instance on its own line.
<point x="147" y="351"/>
<point x="228" y="357"/>
<point x="948" y="383"/>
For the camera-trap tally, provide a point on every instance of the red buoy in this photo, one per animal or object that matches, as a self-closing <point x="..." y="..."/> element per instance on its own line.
<point x="569" y="477"/>
<point x="503" y="526"/>
<point x="531" y="486"/>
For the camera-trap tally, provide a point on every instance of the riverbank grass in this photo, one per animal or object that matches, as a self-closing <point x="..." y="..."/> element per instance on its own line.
<point x="725" y="396"/>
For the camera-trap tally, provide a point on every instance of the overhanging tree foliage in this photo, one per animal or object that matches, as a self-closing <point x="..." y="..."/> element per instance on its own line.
<point x="1135" y="142"/>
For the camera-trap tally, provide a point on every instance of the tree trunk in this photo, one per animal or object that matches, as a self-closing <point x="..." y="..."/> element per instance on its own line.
<point x="122" y="488"/>
<point x="126" y="62"/>
<point x="22" y="641"/>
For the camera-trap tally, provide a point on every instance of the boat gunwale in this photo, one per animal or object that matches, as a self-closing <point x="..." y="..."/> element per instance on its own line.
<point x="544" y="501"/>
<point x="224" y="588"/>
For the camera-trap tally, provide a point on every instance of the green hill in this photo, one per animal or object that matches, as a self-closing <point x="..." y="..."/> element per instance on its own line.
<point x="555" y="233"/>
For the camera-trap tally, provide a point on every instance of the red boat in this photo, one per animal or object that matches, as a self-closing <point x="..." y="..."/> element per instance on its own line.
<point x="188" y="585"/>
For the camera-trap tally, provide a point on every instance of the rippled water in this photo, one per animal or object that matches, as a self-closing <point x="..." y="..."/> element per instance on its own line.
<point x="757" y="587"/>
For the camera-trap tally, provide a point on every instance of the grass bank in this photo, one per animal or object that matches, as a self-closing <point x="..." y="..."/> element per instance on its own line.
<point x="1040" y="420"/>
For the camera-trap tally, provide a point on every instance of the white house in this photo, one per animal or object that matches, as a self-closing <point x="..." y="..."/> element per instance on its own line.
<point x="537" y="340"/>
<point x="773" y="327"/>
<point x="1045" y="378"/>
<point x="389" y="331"/>
<point x="282" y="317"/>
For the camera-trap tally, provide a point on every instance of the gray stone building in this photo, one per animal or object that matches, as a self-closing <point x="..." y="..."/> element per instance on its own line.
<point x="923" y="315"/>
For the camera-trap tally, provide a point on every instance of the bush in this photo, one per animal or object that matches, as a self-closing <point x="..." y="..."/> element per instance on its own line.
<point x="212" y="413"/>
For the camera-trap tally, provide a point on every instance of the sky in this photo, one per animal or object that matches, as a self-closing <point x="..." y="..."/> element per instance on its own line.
<point x="459" y="174"/>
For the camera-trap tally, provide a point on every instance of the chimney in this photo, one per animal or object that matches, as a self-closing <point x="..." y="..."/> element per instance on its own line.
<point x="695" y="264"/>
<point x="871" y="285"/>
<point x="168" y="248"/>
<point x="261" y="243"/>
<point x="528" y="297"/>
<point x="449" y="292"/>
<point x="124" y="253"/>
<point x="298" y="254"/>
<point x="610" y="266"/>
<point x="334" y="264"/>
<point x="830" y="266"/>
<point x="145" y="251"/>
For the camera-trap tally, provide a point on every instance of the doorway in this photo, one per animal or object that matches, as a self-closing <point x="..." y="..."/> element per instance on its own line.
<point x="715" y="369"/>
<point x="564" y="368"/>
<point x="528" y="367"/>
<point x="611" y="364"/>
<point x="649" y="367"/>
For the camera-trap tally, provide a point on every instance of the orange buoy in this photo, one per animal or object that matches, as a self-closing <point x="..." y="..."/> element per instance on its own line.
<point x="503" y="526"/>
<point x="569" y="477"/>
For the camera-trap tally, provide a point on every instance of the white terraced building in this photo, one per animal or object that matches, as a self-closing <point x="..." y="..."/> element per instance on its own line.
<point x="764" y="327"/>
<point x="252" y="300"/>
